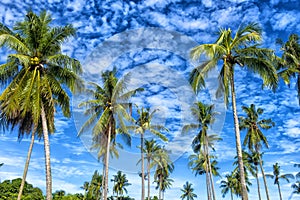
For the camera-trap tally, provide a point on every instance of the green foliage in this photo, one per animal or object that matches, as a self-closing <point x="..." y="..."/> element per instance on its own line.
<point x="9" y="190"/>
<point x="120" y="183"/>
<point x="188" y="192"/>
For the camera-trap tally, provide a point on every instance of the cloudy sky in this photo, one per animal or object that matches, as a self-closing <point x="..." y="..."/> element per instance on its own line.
<point x="150" y="42"/>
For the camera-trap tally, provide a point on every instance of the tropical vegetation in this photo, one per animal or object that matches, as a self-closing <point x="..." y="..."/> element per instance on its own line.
<point x="37" y="81"/>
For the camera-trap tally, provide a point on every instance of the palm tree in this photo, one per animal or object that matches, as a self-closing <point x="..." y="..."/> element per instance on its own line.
<point x="241" y="50"/>
<point x="188" y="192"/>
<point x="204" y="115"/>
<point x="106" y="110"/>
<point x="85" y="187"/>
<point x="151" y="151"/>
<point x="253" y="159"/>
<point x="290" y="65"/>
<point x="164" y="167"/>
<point x="143" y="124"/>
<point x="35" y="73"/>
<point x="228" y="185"/>
<point x="199" y="164"/>
<point x="276" y="175"/>
<point x="296" y="187"/>
<point x="254" y="137"/>
<point x="120" y="184"/>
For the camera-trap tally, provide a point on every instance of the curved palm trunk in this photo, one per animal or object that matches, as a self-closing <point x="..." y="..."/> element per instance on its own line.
<point x="264" y="178"/>
<point x="26" y="165"/>
<point x="106" y="163"/>
<point x="47" y="155"/>
<point x="238" y="140"/>
<point x="279" y="191"/>
<point x="257" y="181"/>
<point x="143" y="170"/>
<point x="148" y="172"/>
<point x="210" y="170"/>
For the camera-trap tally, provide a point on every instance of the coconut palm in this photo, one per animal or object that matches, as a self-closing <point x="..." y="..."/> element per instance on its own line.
<point x="151" y="151"/>
<point x="34" y="74"/>
<point x="143" y="124"/>
<point x="240" y="50"/>
<point x="107" y="109"/>
<point x="290" y="65"/>
<point x="205" y="116"/>
<point x="120" y="184"/>
<point x="296" y="187"/>
<point x="277" y="176"/>
<point x="85" y="187"/>
<point x="228" y="185"/>
<point x="254" y="138"/>
<point x="199" y="164"/>
<point x="188" y="192"/>
<point x="164" y="167"/>
<point x="253" y="159"/>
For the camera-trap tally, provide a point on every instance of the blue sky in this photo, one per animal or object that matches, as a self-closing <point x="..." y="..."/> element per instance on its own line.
<point x="151" y="41"/>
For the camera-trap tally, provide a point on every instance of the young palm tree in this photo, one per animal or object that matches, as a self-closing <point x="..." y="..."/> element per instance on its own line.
<point x="143" y="124"/>
<point x="290" y="65"/>
<point x="241" y="50"/>
<point x="204" y="115"/>
<point x="34" y="74"/>
<point x="199" y="164"/>
<point x="106" y="110"/>
<point x="188" y="192"/>
<point x="277" y="176"/>
<point x="120" y="184"/>
<point x="254" y="138"/>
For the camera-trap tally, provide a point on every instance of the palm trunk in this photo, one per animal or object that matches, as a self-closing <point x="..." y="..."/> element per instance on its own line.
<point x="279" y="191"/>
<point x="47" y="155"/>
<point x="264" y="178"/>
<point x="26" y="164"/>
<point x="142" y="159"/>
<point x="103" y="178"/>
<point x="257" y="181"/>
<point x="238" y="140"/>
<point x="148" y="171"/>
<point x="160" y="186"/>
<point x="106" y="163"/>
<point x="209" y="170"/>
<point x="231" y="194"/>
<point x="208" y="190"/>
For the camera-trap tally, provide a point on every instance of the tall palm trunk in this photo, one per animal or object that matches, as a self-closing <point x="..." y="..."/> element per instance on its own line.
<point x="26" y="164"/>
<point x="257" y="181"/>
<point x="264" y="177"/>
<point x="47" y="155"/>
<point x="231" y="195"/>
<point x="143" y="170"/>
<point x="238" y="139"/>
<point x="106" y="162"/>
<point x="208" y="189"/>
<point x="103" y="177"/>
<point x="148" y="172"/>
<point x="279" y="191"/>
<point x="210" y="170"/>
